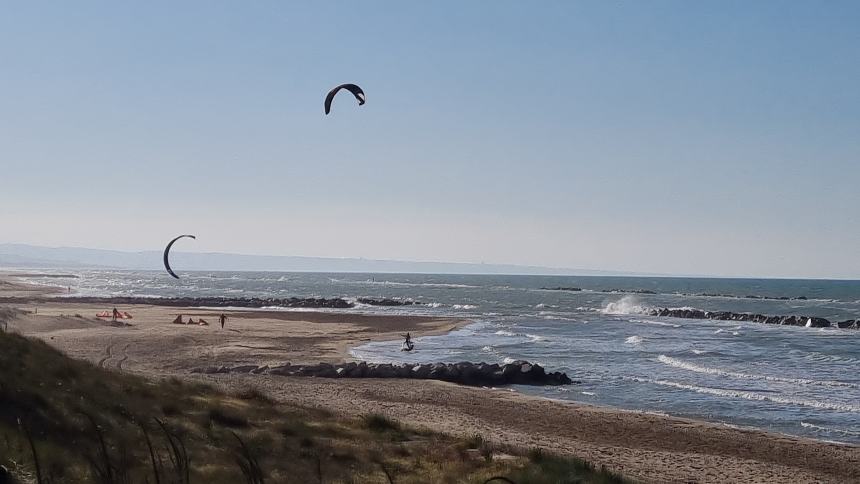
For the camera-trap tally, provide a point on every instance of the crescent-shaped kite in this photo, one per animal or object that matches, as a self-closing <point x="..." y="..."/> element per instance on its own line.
<point x="355" y="90"/>
<point x="167" y="252"/>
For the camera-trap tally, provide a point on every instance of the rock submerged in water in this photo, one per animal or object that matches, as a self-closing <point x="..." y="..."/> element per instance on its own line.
<point x="807" y="321"/>
<point x="387" y="302"/>
<point x="519" y="372"/>
<point x="218" y="302"/>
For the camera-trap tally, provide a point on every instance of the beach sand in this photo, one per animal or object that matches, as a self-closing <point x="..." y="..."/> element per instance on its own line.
<point x="645" y="447"/>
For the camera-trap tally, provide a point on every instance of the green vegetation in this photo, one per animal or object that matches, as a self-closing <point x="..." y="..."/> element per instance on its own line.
<point x="68" y="421"/>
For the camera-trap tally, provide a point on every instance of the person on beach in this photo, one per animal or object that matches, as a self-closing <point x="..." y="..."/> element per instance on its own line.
<point x="115" y="315"/>
<point x="222" y="319"/>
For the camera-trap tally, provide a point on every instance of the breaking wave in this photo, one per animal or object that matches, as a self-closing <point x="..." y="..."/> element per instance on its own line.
<point x="674" y="362"/>
<point x="841" y="407"/>
<point x="829" y="429"/>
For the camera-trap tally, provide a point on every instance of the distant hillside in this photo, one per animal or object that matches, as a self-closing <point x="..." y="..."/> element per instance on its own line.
<point x="29" y="256"/>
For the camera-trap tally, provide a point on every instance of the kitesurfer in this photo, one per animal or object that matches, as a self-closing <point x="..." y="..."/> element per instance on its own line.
<point x="222" y="319"/>
<point x="407" y="345"/>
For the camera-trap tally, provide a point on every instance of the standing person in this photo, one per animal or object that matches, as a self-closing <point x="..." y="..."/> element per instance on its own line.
<point x="115" y="314"/>
<point x="223" y="319"/>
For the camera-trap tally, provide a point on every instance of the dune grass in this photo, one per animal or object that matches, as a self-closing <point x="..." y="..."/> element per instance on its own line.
<point x="68" y="421"/>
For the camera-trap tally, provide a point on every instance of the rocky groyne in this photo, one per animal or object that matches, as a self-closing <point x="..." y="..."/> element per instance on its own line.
<point x="807" y="321"/>
<point x="475" y="374"/>
<point x="217" y="302"/>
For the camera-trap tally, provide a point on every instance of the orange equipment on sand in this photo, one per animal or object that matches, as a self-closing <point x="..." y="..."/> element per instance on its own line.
<point x="108" y="314"/>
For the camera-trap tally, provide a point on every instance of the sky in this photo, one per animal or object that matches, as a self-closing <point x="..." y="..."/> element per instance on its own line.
<point x="715" y="138"/>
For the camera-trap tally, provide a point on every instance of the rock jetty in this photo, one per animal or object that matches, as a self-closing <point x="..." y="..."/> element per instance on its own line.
<point x="387" y="302"/>
<point x="218" y="302"/>
<point x="807" y="321"/>
<point x="475" y="374"/>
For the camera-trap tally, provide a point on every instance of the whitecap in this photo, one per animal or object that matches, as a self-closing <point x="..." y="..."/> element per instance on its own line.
<point x="655" y="323"/>
<point x="634" y="340"/>
<point x="464" y="306"/>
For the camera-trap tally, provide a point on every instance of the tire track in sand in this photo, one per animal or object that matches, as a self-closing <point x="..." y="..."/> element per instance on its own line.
<point x="124" y="356"/>
<point x="107" y="355"/>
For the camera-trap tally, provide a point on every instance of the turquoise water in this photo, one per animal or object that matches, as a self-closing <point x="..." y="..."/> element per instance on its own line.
<point x="796" y="380"/>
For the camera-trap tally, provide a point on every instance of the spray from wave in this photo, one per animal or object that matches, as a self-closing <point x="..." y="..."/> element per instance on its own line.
<point x="625" y="305"/>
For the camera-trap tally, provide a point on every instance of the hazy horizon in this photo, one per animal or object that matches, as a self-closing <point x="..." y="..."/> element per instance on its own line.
<point x="31" y="257"/>
<point x="718" y="139"/>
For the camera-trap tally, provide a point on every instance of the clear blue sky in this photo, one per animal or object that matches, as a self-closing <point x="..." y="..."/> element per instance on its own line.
<point x="677" y="137"/>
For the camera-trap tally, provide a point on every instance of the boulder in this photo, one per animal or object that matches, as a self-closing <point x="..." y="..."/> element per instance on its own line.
<point x="421" y="371"/>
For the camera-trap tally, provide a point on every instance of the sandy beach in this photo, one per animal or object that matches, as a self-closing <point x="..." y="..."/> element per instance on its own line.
<point x="645" y="447"/>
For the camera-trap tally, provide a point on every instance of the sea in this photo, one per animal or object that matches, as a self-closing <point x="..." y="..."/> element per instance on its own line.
<point x="792" y="380"/>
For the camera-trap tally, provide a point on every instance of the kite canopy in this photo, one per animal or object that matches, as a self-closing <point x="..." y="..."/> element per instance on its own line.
<point x="355" y="90"/>
<point x="167" y="253"/>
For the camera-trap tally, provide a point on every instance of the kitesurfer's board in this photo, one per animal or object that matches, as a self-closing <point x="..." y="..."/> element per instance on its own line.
<point x="406" y="347"/>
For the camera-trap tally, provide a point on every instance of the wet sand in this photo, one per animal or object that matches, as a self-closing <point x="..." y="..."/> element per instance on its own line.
<point x="645" y="447"/>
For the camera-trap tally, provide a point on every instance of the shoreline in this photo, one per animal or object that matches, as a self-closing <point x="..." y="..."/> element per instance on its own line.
<point x="641" y="445"/>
